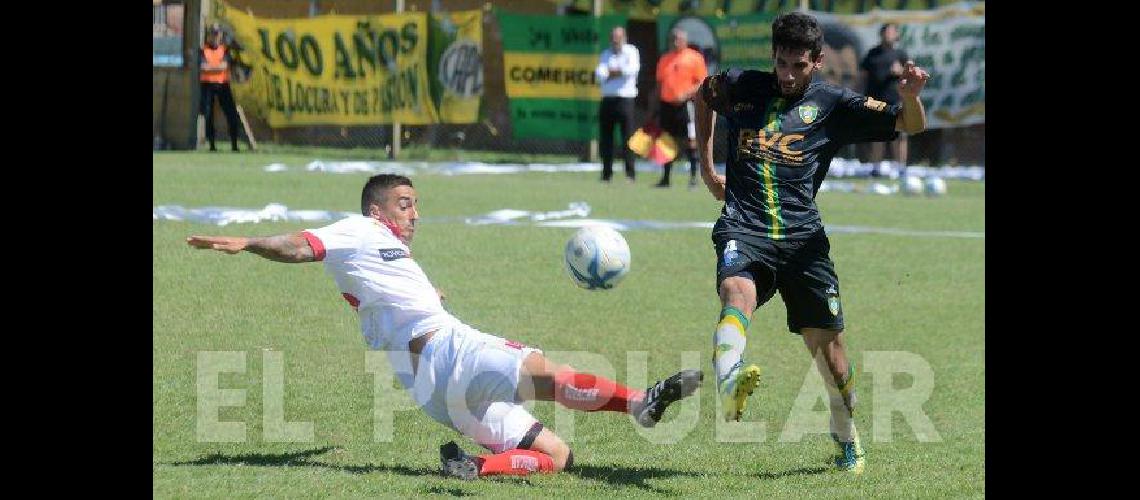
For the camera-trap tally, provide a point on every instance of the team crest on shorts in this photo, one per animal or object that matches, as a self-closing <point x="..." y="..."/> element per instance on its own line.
<point x="808" y="112"/>
<point x="731" y="254"/>
<point x="833" y="305"/>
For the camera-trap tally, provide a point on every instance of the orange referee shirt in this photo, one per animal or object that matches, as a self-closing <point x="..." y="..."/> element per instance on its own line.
<point x="679" y="72"/>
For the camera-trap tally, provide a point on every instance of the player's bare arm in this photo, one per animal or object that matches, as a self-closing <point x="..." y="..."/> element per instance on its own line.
<point x="705" y="119"/>
<point x="288" y="248"/>
<point x="912" y="119"/>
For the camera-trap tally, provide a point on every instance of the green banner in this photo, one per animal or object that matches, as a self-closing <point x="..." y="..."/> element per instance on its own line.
<point x="736" y="42"/>
<point x="554" y="119"/>
<point x="548" y="65"/>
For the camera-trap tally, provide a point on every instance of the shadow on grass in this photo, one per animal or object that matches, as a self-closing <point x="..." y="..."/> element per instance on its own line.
<point x="302" y="459"/>
<point x="803" y="471"/>
<point x="455" y="492"/>
<point x="628" y="477"/>
<point x="636" y="477"/>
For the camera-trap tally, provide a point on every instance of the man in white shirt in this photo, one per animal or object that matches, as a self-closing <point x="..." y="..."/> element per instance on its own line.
<point x="617" y="72"/>
<point x="463" y="378"/>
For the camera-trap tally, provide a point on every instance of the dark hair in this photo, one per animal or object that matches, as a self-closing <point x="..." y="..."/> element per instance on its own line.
<point x="797" y="31"/>
<point x="883" y="28"/>
<point x="376" y="190"/>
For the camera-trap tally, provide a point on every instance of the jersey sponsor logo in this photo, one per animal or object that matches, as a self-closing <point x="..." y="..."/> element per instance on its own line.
<point x="742" y="106"/>
<point x="875" y="105"/>
<point x="808" y="113"/>
<point x="391" y="254"/>
<point x="762" y="145"/>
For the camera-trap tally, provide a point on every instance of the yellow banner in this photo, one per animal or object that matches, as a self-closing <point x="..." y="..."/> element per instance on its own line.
<point x="460" y="67"/>
<point x="557" y="76"/>
<point x="332" y="69"/>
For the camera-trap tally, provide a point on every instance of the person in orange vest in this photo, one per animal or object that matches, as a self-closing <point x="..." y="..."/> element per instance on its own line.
<point x="214" y="76"/>
<point x="679" y="73"/>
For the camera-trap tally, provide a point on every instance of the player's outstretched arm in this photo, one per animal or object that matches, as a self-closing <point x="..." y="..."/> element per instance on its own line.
<point x="912" y="119"/>
<point x="706" y="119"/>
<point x="289" y="248"/>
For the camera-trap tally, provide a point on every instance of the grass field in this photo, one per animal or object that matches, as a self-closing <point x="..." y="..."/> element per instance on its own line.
<point x="922" y="295"/>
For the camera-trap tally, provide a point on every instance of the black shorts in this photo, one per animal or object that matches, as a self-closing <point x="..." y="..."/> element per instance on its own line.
<point x="800" y="270"/>
<point x="675" y="120"/>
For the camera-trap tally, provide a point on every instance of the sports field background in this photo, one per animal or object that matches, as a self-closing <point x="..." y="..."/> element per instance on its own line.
<point x="917" y="294"/>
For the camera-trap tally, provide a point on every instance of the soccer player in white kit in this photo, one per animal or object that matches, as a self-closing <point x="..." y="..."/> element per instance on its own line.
<point x="463" y="378"/>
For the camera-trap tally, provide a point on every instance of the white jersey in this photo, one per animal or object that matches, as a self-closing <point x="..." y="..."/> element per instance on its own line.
<point x="629" y="60"/>
<point x="377" y="276"/>
<point x="466" y="379"/>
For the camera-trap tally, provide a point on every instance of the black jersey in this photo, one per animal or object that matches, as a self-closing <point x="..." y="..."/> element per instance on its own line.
<point x="780" y="149"/>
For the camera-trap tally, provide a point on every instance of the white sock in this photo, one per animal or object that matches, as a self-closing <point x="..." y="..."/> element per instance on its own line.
<point x="842" y="425"/>
<point x="729" y="342"/>
<point x="842" y="419"/>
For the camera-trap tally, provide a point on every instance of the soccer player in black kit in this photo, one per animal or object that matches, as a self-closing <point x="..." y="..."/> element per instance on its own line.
<point x="783" y="130"/>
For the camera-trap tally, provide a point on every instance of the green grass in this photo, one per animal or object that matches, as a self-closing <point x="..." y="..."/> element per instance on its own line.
<point x="920" y="295"/>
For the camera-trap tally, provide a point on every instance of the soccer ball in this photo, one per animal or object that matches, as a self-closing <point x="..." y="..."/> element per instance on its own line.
<point x="597" y="258"/>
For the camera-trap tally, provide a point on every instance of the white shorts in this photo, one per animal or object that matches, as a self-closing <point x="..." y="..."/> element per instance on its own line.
<point x="469" y="380"/>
